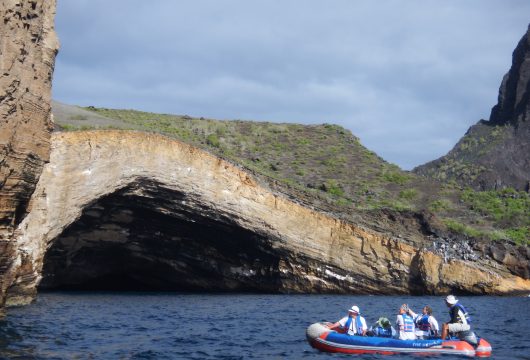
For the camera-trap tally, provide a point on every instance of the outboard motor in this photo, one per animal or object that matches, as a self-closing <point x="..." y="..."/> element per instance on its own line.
<point x="470" y="337"/>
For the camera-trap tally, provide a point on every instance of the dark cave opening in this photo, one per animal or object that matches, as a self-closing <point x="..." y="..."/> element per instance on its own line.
<point x="146" y="237"/>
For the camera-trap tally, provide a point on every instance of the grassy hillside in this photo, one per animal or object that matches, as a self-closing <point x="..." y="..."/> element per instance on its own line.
<point x="328" y="164"/>
<point x="473" y="159"/>
<point x="494" y="153"/>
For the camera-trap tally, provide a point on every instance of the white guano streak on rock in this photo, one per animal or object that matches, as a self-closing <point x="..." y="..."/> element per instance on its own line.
<point x="117" y="158"/>
<point x="337" y="276"/>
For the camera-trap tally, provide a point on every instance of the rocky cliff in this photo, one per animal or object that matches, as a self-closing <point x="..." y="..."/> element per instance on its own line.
<point x="135" y="210"/>
<point x="494" y="154"/>
<point x="123" y="209"/>
<point x="28" y="46"/>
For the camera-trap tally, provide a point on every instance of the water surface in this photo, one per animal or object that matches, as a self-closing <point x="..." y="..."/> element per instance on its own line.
<point x="219" y="326"/>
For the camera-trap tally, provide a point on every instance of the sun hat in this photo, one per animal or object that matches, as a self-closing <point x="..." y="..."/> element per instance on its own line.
<point x="384" y="322"/>
<point x="451" y="300"/>
<point x="354" y="309"/>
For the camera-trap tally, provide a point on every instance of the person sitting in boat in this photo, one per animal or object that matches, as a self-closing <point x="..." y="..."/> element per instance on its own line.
<point x="426" y="324"/>
<point x="353" y="324"/>
<point x="382" y="328"/>
<point x="405" y="324"/>
<point x="460" y="323"/>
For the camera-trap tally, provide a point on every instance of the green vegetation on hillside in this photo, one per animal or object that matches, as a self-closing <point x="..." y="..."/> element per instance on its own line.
<point x="495" y="215"/>
<point x="462" y="162"/>
<point x="328" y="163"/>
<point x="507" y="209"/>
<point x="326" y="160"/>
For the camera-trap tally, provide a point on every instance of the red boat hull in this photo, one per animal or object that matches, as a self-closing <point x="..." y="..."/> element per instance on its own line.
<point x="323" y="339"/>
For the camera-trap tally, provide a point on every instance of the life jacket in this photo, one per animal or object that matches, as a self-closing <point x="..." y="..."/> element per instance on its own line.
<point x="358" y="325"/>
<point x="466" y="319"/>
<point x="382" y="332"/>
<point x="423" y="323"/>
<point x="408" y="323"/>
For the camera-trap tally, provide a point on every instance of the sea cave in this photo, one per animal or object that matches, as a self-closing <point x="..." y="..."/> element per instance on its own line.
<point x="145" y="237"/>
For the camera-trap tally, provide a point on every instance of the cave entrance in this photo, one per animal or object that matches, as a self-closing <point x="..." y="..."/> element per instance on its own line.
<point x="147" y="237"/>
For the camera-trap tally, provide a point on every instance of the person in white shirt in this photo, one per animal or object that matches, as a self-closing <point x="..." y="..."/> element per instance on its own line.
<point x="353" y="324"/>
<point x="426" y="324"/>
<point x="405" y="324"/>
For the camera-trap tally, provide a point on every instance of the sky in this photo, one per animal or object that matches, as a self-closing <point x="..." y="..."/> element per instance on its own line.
<point x="407" y="77"/>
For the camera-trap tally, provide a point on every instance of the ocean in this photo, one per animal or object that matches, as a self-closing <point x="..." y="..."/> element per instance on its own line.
<point x="107" y="325"/>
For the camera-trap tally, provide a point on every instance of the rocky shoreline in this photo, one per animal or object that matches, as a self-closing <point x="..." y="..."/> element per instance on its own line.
<point x="214" y="226"/>
<point x="119" y="209"/>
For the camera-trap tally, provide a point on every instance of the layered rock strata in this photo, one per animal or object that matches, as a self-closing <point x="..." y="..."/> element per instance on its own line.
<point x="28" y="46"/>
<point x="140" y="210"/>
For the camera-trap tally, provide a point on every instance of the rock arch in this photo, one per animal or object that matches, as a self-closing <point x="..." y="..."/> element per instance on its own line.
<point x="265" y="242"/>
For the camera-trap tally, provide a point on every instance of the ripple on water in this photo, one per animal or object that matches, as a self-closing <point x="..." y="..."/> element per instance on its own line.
<point x="169" y="326"/>
<point x="149" y="354"/>
<point x="180" y="341"/>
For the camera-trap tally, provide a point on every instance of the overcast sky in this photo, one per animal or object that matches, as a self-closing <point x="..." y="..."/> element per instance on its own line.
<point x="407" y="77"/>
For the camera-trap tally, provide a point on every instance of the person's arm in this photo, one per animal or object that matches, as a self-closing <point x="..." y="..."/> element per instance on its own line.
<point x="365" y="327"/>
<point x="399" y="323"/>
<point x="334" y="326"/>
<point x="414" y="315"/>
<point x="434" y="325"/>
<point x="339" y="324"/>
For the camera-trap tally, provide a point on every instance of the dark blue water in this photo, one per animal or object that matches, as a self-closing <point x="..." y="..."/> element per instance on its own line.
<point x="184" y="326"/>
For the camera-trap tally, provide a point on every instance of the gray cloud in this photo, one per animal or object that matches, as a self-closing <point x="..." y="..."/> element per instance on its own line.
<point x="407" y="77"/>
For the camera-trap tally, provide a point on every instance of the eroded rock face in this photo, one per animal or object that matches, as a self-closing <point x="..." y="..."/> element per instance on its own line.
<point x="147" y="236"/>
<point x="494" y="154"/>
<point x="28" y="46"/>
<point x="514" y="94"/>
<point x="145" y="211"/>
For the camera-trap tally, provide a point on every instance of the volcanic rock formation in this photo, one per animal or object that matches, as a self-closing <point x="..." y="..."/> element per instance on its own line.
<point x="28" y="46"/>
<point x="132" y="210"/>
<point x="494" y="154"/>
<point x="123" y="209"/>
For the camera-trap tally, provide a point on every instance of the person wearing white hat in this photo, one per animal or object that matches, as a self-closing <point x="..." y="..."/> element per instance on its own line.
<point x="353" y="324"/>
<point x="459" y="324"/>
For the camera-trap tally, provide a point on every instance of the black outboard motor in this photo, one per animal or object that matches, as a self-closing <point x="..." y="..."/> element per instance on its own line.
<point x="470" y="337"/>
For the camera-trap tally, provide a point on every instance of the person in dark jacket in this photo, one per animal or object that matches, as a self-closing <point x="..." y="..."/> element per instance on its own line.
<point x="460" y="323"/>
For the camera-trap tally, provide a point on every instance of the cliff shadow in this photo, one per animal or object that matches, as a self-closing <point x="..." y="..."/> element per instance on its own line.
<point x="147" y="237"/>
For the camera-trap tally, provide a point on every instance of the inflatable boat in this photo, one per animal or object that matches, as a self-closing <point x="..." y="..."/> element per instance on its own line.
<point x="324" y="339"/>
